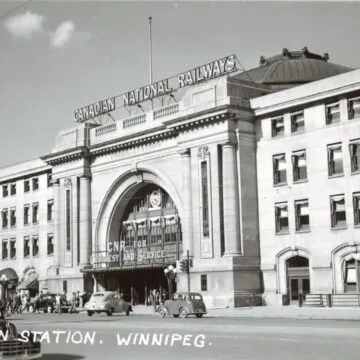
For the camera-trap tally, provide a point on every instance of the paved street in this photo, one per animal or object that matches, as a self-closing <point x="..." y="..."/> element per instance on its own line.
<point x="207" y="338"/>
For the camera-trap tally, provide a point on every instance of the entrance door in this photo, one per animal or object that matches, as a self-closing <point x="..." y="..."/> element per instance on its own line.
<point x="299" y="286"/>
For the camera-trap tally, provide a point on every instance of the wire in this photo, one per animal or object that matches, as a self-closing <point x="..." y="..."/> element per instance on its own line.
<point x="15" y="9"/>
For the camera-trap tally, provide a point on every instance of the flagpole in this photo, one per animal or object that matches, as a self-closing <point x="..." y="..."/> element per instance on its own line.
<point x="150" y="50"/>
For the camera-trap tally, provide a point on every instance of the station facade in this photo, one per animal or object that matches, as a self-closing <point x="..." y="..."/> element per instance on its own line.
<point x="235" y="173"/>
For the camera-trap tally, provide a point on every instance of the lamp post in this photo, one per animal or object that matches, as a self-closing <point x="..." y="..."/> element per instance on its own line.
<point x="4" y="283"/>
<point x="170" y="273"/>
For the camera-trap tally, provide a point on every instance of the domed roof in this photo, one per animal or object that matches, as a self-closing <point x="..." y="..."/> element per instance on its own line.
<point x="292" y="68"/>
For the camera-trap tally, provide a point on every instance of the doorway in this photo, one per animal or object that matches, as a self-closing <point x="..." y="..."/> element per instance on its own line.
<point x="298" y="278"/>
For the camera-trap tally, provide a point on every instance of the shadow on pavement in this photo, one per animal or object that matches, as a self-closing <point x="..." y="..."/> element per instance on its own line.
<point x="61" y="357"/>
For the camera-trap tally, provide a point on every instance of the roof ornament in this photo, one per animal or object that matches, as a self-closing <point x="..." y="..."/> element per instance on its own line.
<point x="262" y="60"/>
<point x="326" y="56"/>
<point x="285" y="52"/>
<point x="305" y="51"/>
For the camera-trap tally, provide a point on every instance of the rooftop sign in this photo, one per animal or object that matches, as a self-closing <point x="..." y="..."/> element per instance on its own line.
<point x="200" y="74"/>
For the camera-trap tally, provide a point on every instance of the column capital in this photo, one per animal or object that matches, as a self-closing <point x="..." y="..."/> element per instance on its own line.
<point x="55" y="182"/>
<point x="229" y="143"/>
<point x="184" y="152"/>
<point x="85" y="177"/>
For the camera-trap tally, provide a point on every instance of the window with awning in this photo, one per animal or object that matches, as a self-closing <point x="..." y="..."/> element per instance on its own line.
<point x="338" y="211"/>
<point x="302" y="217"/>
<point x="299" y="165"/>
<point x="354" y="108"/>
<point x="335" y="159"/>
<point x="279" y="166"/>
<point x="281" y="217"/>
<point x="332" y="113"/>
<point x="354" y="149"/>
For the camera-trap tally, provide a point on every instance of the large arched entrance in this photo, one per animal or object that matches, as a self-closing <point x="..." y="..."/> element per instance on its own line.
<point x="298" y="277"/>
<point x="145" y="237"/>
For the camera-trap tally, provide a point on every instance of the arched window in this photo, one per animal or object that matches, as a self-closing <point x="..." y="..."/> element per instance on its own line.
<point x="350" y="278"/>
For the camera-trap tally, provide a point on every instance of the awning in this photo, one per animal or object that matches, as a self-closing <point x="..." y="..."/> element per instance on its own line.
<point x="10" y="274"/>
<point x="30" y="282"/>
<point x="126" y="268"/>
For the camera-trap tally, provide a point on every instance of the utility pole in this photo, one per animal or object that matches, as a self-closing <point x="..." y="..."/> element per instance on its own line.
<point x="188" y="270"/>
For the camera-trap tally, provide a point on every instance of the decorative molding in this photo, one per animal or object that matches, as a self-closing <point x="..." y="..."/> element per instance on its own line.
<point x="203" y="151"/>
<point x="67" y="182"/>
<point x="184" y="152"/>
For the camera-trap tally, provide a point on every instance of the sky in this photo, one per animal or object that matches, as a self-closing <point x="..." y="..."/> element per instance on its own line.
<point x="57" y="56"/>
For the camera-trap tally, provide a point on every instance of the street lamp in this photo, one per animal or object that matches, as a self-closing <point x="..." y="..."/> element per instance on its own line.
<point x="170" y="273"/>
<point x="4" y="283"/>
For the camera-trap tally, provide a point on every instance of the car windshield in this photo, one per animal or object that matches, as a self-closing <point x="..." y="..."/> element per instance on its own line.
<point x="108" y="297"/>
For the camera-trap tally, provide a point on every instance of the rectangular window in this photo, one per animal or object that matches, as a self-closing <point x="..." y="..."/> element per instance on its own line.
<point x="4" y="252"/>
<point x="205" y="198"/>
<point x="50" y="244"/>
<point x="337" y="210"/>
<point x="4" y="218"/>
<point x="26" y="186"/>
<point x="35" y="246"/>
<point x="335" y="159"/>
<point x="354" y="149"/>
<point x="279" y="165"/>
<point x="35" y="184"/>
<point x="35" y="213"/>
<point x="50" y="210"/>
<point x="332" y="114"/>
<point x="12" y="248"/>
<point x="13" y="217"/>
<point x="277" y="127"/>
<point x="302" y="219"/>
<point x="68" y="220"/>
<point x="353" y="108"/>
<point x="356" y="206"/>
<point x="281" y="217"/>
<point x="26" y="246"/>
<point x="297" y="122"/>
<point x="299" y="165"/>
<point x="203" y="282"/>
<point x="49" y="180"/>
<point x="26" y="214"/>
<point x="13" y="189"/>
<point x="5" y="191"/>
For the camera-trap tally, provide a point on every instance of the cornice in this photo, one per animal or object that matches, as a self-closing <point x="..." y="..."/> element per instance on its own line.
<point x="65" y="156"/>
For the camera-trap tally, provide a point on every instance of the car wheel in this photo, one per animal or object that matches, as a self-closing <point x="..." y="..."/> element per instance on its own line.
<point x="176" y="315"/>
<point x="183" y="313"/>
<point x="110" y="312"/>
<point x="90" y="313"/>
<point x="199" y="315"/>
<point x="162" y="312"/>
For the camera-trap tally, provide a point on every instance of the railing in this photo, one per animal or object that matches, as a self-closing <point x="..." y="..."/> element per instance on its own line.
<point x="133" y="121"/>
<point x="105" y="129"/>
<point x="166" y="110"/>
<point x="334" y="300"/>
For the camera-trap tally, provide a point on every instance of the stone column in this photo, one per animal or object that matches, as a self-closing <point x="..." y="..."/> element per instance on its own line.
<point x="85" y="220"/>
<point x="57" y="220"/>
<point x="230" y="200"/>
<point x="187" y="220"/>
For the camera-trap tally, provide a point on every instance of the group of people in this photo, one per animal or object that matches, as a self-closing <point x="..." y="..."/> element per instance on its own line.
<point x="156" y="298"/>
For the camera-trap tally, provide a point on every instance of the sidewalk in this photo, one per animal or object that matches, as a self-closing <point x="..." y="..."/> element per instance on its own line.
<point x="275" y="312"/>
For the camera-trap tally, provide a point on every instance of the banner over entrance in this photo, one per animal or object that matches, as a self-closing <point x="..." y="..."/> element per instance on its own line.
<point x="168" y="86"/>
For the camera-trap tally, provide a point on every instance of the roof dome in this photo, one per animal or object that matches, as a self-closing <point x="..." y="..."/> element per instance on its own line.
<point x="292" y="68"/>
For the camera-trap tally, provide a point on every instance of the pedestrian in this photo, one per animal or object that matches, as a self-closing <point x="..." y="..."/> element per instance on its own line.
<point x="73" y="303"/>
<point x="77" y="299"/>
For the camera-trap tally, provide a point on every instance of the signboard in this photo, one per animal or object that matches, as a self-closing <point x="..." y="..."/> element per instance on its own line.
<point x="197" y="75"/>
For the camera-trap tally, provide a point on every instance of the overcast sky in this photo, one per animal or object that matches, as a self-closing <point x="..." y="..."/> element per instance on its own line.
<point x="58" y="56"/>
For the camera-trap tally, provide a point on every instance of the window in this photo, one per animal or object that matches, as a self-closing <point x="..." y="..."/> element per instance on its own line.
<point x="12" y="248"/>
<point x="50" y="244"/>
<point x="350" y="276"/>
<point x="203" y="282"/>
<point x="281" y="217"/>
<point x="26" y="186"/>
<point x="26" y="214"/>
<point x="277" y="126"/>
<point x="26" y="246"/>
<point x="50" y="210"/>
<point x="35" y="183"/>
<point x="13" y="189"/>
<point x="335" y="160"/>
<point x="297" y="122"/>
<point x="353" y="108"/>
<point x="356" y="205"/>
<point x="299" y="165"/>
<point x="4" y="218"/>
<point x="49" y="180"/>
<point x="354" y="148"/>
<point x="338" y="213"/>
<point x="205" y="198"/>
<point x="35" y="213"/>
<point x="4" y="252"/>
<point x="332" y="114"/>
<point x="279" y="164"/>
<point x="13" y="217"/>
<point x="302" y="215"/>
<point x="35" y="246"/>
<point x="5" y="190"/>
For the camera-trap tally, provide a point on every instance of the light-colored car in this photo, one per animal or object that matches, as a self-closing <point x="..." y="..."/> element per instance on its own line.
<point x="109" y="302"/>
<point x="183" y="304"/>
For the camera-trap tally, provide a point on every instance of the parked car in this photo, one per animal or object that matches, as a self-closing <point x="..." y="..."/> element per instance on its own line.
<point x="109" y="302"/>
<point x="12" y="348"/>
<point x="183" y="304"/>
<point x="47" y="303"/>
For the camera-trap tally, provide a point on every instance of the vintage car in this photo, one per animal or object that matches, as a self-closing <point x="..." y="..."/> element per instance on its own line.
<point x="109" y="302"/>
<point x="12" y="348"/>
<point x="183" y="304"/>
